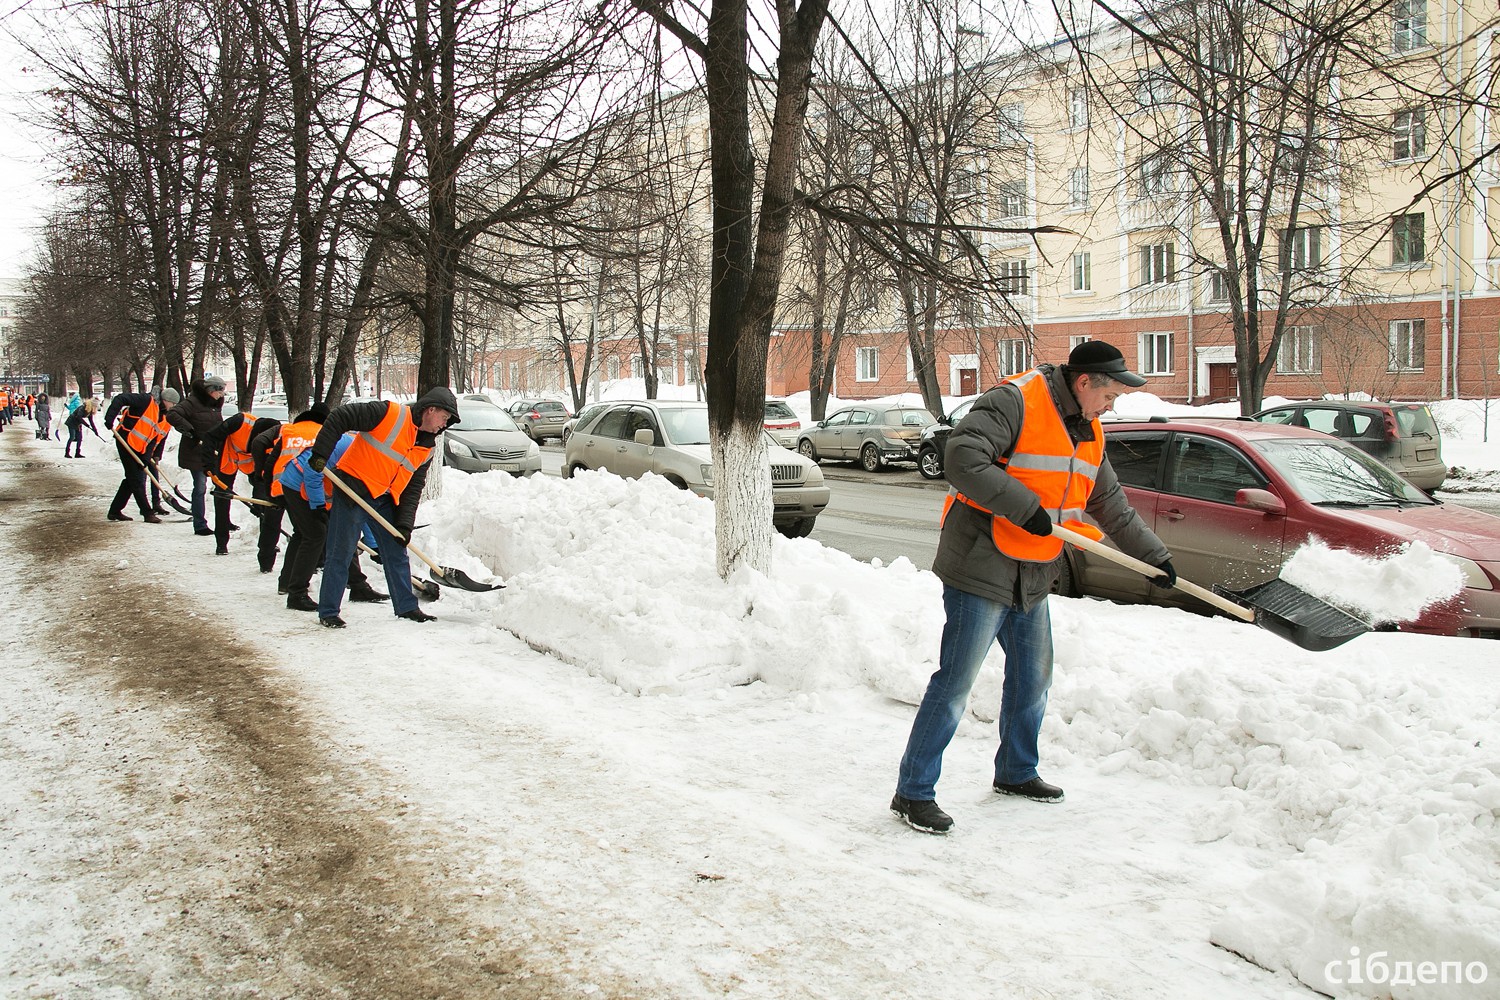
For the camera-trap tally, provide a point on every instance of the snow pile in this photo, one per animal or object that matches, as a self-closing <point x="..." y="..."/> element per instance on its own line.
<point x="1396" y="588"/>
<point x="1376" y="786"/>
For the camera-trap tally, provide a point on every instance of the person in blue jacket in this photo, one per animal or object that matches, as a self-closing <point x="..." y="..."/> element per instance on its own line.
<point x="305" y="495"/>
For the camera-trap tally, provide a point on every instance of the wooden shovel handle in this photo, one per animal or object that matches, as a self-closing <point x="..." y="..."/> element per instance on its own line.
<point x="1147" y="570"/>
<point x="138" y="459"/>
<point x="335" y="480"/>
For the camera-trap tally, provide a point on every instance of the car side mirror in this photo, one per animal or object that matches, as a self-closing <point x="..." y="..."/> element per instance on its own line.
<point x="645" y="436"/>
<point x="1261" y="500"/>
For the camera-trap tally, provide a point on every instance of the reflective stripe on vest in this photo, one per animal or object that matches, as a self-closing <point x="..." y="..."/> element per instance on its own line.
<point x="385" y="458"/>
<point x="294" y="438"/>
<point x="1045" y="461"/>
<point x="147" y="429"/>
<point x="236" y="454"/>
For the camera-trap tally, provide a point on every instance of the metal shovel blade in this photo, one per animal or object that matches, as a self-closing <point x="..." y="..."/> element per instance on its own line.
<point x="450" y="577"/>
<point x="426" y="588"/>
<point x="1297" y="616"/>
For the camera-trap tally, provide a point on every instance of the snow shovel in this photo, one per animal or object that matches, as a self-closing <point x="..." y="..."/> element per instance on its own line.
<point x="423" y="588"/>
<point x="442" y="574"/>
<point x="1276" y="606"/>
<point x="166" y="492"/>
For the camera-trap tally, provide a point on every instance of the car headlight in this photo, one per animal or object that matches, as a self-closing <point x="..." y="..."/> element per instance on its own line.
<point x="707" y="472"/>
<point x="1475" y="578"/>
<point x="532" y="448"/>
<point x="459" y="449"/>
<point x="814" y="475"/>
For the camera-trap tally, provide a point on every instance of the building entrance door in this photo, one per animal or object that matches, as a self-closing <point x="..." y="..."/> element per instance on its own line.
<point x="968" y="381"/>
<point x="1223" y="383"/>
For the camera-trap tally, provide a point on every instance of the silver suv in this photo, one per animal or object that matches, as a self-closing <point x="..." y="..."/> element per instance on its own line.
<point x="1402" y="435"/>
<point x="670" y="439"/>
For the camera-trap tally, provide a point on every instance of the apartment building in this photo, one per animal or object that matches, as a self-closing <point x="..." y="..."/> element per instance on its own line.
<point x="1383" y="269"/>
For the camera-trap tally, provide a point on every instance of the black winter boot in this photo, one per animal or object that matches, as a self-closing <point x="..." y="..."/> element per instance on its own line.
<point x="300" y="601"/>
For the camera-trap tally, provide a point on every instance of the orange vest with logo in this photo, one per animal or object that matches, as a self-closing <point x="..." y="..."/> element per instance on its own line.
<point x="1045" y="461"/>
<point x="235" y="456"/>
<point x="294" y="438"/>
<point x="385" y="458"/>
<point x="147" y="429"/>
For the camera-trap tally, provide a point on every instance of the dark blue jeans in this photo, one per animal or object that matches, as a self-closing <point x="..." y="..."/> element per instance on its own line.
<point x="200" y="492"/>
<point x="344" y="524"/>
<point x="973" y="624"/>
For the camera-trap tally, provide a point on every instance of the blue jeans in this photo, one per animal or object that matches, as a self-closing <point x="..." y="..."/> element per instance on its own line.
<point x="200" y="493"/>
<point x="973" y="624"/>
<point x="344" y="523"/>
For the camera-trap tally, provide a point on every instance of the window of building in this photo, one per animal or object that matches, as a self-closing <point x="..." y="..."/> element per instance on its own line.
<point x="1408" y="337"/>
<point x="1153" y="177"/>
<point x="1152" y="87"/>
<point x="1302" y="248"/>
<point x="1012" y="204"/>
<point x="911" y="365"/>
<point x="1408" y="25"/>
<point x="612" y="368"/>
<point x="867" y="364"/>
<point x="1300" y="352"/>
<point x="515" y="376"/>
<point x="1158" y="263"/>
<point x="1078" y="107"/>
<point x="1015" y="277"/>
<point x="964" y="182"/>
<point x="1156" y="353"/>
<point x="1074" y="341"/>
<point x="1078" y="187"/>
<point x="1083" y="272"/>
<point x="1011" y="356"/>
<point x="1408" y="239"/>
<point x="1218" y="285"/>
<point x="1409" y="134"/>
<point x="1012" y="125"/>
<point x="637" y="370"/>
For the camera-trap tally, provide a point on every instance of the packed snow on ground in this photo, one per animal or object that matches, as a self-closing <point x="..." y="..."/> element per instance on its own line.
<point x="1225" y="788"/>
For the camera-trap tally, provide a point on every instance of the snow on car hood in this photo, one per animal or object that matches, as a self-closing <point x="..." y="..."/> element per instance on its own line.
<point x="1445" y="527"/>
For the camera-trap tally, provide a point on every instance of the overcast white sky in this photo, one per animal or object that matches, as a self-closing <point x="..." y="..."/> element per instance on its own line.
<point x="24" y="191"/>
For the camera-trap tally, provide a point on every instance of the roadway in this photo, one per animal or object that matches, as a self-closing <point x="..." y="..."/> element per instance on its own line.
<point x="894" y="513"/>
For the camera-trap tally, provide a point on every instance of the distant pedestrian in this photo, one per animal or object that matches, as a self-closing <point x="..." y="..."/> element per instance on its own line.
<point x="43" y="417"/>
<point x="77" y="417"/>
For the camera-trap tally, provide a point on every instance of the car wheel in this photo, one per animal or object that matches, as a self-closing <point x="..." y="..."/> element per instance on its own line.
<point x="806" y="450"/>
<point x="1065" y="585"/>
<point x="800" y="528"/>
<point x="568" y="470"/>
<point x="677" y="481"/>
<point x="870" y="460"/>
<point x="930" y="463"/>
<point x="526" y="429"/>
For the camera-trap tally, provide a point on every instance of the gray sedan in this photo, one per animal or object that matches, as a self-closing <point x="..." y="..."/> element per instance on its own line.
<point x="870" y="434"/>
<point x="486" y="439"/>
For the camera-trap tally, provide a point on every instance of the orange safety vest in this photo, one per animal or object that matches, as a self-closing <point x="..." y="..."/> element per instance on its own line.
<point x="1045" y="461"/>
<point x="385" y="458"/>
<point x="147" y="429"/>
<point x="235" y="456"/>
<point x="294" y="438"/>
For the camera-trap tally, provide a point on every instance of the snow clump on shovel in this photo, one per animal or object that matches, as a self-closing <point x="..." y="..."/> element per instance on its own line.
<point x="1396" y="588"/>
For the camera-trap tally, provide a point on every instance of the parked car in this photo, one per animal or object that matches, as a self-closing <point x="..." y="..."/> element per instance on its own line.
<point x="1402" y="435"/>
<point x="670" y="439"/>
<point x="540" y="418"/>
<point x="583" y="416"/>
<point x="935" y="439"/>
<point x="486" y="439"/>
<point x="872" y="434"/>
<point x="781" y="423"/>
<point x="1233" y="499"/>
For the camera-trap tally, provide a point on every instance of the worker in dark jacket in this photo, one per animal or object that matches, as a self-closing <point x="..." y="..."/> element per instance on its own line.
<point x="272" y="446"/>
<point x="226" y="455"/>
<point x="386" y="466"/>
<point x="79" y="415"/>
<point x="199" y="412"/>
<point x="140" y="439"/>
<point x="1029" y="453"/>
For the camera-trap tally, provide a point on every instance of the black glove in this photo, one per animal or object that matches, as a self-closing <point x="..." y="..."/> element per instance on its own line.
<point x="403" y="532"/>
<point x="1168" y="579"/>
<point x="1038" y="523"/>
<point x="318" y="462"/>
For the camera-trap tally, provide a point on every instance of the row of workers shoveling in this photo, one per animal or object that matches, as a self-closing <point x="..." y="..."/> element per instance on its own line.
<point x="345" y="478"/>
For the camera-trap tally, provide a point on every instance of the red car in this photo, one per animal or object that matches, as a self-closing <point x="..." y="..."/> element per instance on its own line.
<point x="1234" y="499"/>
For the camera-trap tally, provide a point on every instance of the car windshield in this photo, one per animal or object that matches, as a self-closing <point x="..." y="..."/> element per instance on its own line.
<point x="1333" y="474"/>
<point x="909" y="418"/>
<point x="777" y="410"/>
<point x="480" y="417"/>
<point x="685" y="425"/>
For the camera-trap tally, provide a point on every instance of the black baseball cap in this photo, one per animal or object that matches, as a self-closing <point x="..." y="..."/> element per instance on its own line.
<point x="1097" y="356"/>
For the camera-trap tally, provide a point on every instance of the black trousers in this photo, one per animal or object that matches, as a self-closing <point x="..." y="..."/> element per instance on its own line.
<point x="270" y="535"/>
<point x="134" y="483"/>
<point x="305" y="550"/>
<point x="223" y="482"/>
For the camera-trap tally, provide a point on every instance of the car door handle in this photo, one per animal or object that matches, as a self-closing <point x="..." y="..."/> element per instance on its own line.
<point x="1172" y="514"/>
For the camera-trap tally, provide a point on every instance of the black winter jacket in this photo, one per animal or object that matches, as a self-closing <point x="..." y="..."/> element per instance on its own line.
<point x="193" y="418"/>
<point x="125" y="408"/>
